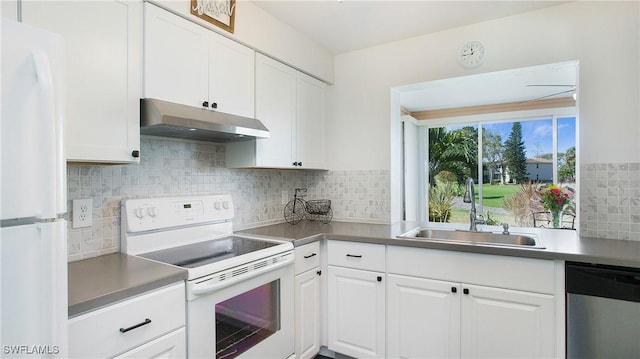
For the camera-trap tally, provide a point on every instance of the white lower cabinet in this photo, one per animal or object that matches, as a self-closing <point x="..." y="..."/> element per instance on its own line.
<point x="151" y="325"/>
<point x="356" y="312"/>
<point x="448" y="317"/>
<point x="424" y="318"/>
<point x="307" y="301"/>
<point x="438" y="319"/>
<point x="356" y="295"/>
<point x="502" y="323"/>
<point x="307" y="318"/>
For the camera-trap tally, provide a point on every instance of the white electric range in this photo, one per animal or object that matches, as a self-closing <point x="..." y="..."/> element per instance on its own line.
<point x="239" y="288"/>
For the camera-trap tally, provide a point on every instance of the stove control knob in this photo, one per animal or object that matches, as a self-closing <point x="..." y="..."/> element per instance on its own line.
<point x="225" y="205"/>
<point x="151" y="211"/>
<point x="139" y="212"/>
<point x="217" y="206"/>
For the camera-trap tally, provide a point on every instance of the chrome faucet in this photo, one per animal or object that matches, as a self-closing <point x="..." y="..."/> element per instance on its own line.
<point x="469" y="197"/>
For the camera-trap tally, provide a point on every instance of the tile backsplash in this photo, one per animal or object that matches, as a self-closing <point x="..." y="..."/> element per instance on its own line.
<point x="609" y="192"/>
<point x="171" y="167"/>
<point x="610" y="200"/>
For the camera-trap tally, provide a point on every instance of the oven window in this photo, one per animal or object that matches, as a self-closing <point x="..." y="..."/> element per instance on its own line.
<point x="247" y="319"/>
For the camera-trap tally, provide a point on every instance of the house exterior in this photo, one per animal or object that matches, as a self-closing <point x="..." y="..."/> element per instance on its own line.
<point x="540" y="169"/>
<point x="537" y="169"/>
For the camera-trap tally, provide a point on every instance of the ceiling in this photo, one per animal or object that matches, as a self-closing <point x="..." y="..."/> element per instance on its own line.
<point x="492" y="88"/>
<point x="347" y="25"/>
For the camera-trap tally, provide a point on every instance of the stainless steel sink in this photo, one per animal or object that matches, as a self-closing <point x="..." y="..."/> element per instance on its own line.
<point x="472" y="237"/>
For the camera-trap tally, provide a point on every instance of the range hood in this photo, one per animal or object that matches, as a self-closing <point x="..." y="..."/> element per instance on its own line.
<point x="168" y="119"/>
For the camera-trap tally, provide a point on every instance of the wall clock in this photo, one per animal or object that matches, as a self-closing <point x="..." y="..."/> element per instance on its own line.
<point x="472" y="54"/>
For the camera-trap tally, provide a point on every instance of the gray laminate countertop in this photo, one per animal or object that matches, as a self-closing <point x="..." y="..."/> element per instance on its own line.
<point x="559" y="244"/>
<point x="100" y="281"/>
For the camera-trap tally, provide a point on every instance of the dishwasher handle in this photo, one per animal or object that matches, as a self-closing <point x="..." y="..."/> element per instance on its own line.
<point x="603" y="281"/>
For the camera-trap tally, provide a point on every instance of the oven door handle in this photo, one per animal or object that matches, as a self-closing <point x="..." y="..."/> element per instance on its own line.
<point x="204" y="287"/>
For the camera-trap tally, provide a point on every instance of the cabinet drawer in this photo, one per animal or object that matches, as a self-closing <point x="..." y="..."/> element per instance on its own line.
<point x="307" y="257"/>
<point x="356" y="255"/>
<point x="99" y="333"/>
<point x="172" y="345"/>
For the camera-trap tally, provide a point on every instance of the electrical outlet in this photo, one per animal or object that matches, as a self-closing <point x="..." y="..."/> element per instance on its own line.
<point x="82" y="213"/>
<point x="285" y="197"/>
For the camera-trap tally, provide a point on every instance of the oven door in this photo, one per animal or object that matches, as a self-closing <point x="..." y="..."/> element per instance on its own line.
<point x="249" y="318"/>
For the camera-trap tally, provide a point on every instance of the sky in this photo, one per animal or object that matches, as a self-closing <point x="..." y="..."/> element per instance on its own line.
<point x="537" y="134"/>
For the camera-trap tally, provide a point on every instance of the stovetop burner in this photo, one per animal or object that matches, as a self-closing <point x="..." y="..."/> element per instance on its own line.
<point x="194" y="232"/>
<point x="203" y="253"/>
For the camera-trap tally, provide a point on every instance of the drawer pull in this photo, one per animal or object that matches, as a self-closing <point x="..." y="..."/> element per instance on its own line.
<point x="310" y="255"/>
<point x="146" y="321"/>
<point x="354" y="255"/>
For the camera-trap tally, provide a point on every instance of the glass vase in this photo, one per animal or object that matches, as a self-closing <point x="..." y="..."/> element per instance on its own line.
<point x="556" y="219"/>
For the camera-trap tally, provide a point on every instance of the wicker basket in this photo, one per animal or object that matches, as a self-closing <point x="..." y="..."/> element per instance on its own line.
<point x="319" y="206"/>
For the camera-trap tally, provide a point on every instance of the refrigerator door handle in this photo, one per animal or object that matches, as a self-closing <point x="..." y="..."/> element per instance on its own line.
<point x="49" y="133"/>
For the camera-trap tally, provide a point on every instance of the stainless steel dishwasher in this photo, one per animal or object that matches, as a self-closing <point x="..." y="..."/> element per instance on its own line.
<point x="603" y="311"/>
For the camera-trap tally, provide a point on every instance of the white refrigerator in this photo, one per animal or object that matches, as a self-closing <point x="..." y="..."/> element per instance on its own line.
<point x="33" y="246"/>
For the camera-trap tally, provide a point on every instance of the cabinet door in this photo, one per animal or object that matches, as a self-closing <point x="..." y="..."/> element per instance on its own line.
<point x="169" y="346"/>
<point x="307" y="307"/>
<point x="276" y="108"/>
<point x="102" y="46"/>
<point x="231" y="76"/>
<point x="501" y="323"/>
<point x="356" y="312"/>
<point x="176" y="55"/>
<point x="310" y="122"/>
<point x="424" y="318"/>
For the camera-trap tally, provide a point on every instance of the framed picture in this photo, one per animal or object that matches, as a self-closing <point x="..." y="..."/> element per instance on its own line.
<point x="218" y="12"/>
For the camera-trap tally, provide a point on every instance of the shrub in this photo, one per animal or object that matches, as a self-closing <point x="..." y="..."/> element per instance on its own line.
<point x="524" y="202"/>
<point x="490" y="221"/>
<point x="441" y="196"/>
<point x="446" y="177"/>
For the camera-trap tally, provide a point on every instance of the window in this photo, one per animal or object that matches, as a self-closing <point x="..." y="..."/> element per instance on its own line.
<point x="508" y="159"/>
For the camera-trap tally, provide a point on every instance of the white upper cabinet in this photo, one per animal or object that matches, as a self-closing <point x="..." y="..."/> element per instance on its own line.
<point x="103" y="42"/>
<point x="291" y="105"/>
<point x="276" y="108"/>
<point x="175" y="58"/>
<point x="191" y="65"/>
<point x="231" y="76"/>
<point x="310" y="122"/>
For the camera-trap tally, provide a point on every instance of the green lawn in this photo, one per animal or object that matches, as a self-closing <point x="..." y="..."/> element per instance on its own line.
<point x="494" y="194"/>
<point x="462" y="216"/>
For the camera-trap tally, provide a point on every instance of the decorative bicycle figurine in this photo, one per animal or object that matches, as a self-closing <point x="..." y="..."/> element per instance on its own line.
<point x="298" y="208"/>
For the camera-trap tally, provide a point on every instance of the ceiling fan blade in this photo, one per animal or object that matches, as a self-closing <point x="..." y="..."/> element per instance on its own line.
<point x="553" y="94"/>
<point x="551" y="85"/>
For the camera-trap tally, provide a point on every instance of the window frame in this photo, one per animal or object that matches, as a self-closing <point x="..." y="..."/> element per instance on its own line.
<point x="477" y="120"/>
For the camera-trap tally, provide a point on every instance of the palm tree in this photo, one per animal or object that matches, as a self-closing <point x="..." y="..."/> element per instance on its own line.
<point x="454" y="151"/>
